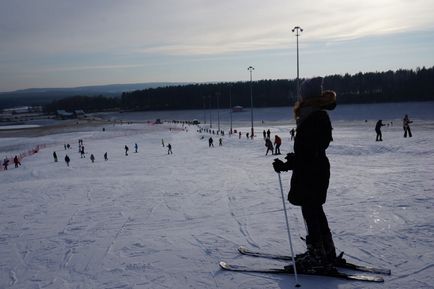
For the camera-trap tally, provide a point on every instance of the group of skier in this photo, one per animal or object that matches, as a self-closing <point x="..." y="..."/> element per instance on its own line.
<point x="275" y="150"/>
<point x="6" y="162"/>
<point x="81" y="151"/>
<point x="405" y="125"/>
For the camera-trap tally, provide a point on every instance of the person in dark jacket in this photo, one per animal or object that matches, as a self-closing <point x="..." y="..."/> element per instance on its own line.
<point x="5" y="163"/>
<point x="269" y="146"/>
<point x="17" y="161"/>
<point x="311" y="171"/>
<point x="406" y="126"/>
<point x="67" y="160"/>
<point x="378" y="126"/>
<point x="55" y="157"/>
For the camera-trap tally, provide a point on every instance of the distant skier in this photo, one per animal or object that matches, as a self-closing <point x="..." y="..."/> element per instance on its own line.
<point x="220" y="142"/>
<point x="292" y="133"/>
<point x="92" y="157"/>
<point x="17" y="162"/>
<point x="210" y="142"/>
<point x="378" y="126"/>
<point x="277" y="143"/>
<point x="269" y="146"/>
<point x="311" y="173"/>
<point x="105" y="156"/>
<point x="55" y="157"/>
<point x="126" y="150"/>
<point x="82" y="155"/>
<point x="268" y="133"/>
<point x="136" y="147"/>
<point x="406" y="126"/>
<point x="264" y="133"/>
<point x="162" y="142"/>
<point x="239" y="135"/>
<point x="169" y="149"/>
<point x="67" y="160"/>
<point x="5" y="163"/>
<point x="64" y="146"/>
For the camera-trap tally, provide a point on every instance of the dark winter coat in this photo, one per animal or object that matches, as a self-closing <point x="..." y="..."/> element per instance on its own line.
<point x="310" y="165"/>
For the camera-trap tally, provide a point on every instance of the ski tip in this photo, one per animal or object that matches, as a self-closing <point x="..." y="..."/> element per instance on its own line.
<point x="242" y="249"/>
<point x="224" y="265"/>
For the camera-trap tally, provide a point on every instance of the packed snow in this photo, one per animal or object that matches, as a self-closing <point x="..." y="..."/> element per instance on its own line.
<point x="153" y="220"/>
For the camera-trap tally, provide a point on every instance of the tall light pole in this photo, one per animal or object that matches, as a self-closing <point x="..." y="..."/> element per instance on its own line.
<point x="230" y="107"/>
<point x="218" y="112"/>
<point x="297" y="30"/>
<point x="210" y="112"/>
<point x="204" y="109"/>
<point x="250" y="69"/>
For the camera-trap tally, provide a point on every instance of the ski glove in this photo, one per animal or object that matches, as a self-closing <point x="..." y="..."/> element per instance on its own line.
<point x="279" y="166"/>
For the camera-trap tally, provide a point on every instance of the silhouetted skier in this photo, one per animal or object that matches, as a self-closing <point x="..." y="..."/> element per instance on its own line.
<point x="105" y="156"/>
<point x="55" y="157"/>
<point x="406" y="126"/>
<point x="126" y="150"/>
<point x="5" y="163"/>
<point x="378" y="130"/>
<point x="92" y="157"/>
<point x="16" y="161"/>
<point x="210" y="142"/>
<point x="277" y="142"/>
<point x="292" y="133"/>
<point x="169" y="149"/>
<point x="269" y="146"/>
<point x="67" y="160"/>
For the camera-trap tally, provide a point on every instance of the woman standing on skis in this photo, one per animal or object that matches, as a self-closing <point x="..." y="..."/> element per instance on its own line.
<point x="311" y="171"/>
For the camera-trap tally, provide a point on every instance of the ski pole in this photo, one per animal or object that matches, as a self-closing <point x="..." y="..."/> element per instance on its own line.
<point x="289" y="233"/>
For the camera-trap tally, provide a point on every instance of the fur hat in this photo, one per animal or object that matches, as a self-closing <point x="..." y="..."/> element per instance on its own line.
<point x="311" y="88"/>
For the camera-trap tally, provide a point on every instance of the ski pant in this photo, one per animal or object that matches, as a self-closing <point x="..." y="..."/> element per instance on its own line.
<point x="316" y="223"/>
<point x="379" y="135"/>
<point x="407" y="130"/>
<point x="277" y="149"/>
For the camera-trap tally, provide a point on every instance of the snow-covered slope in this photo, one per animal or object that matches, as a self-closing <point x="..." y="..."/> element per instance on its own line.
<point x="153" y="220"/>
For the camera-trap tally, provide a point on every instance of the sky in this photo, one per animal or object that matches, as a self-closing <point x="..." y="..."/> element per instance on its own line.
<point x="64" y="43"/>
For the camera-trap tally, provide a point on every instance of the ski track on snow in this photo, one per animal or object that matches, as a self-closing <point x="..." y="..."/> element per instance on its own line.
<point x="152" y="220"/>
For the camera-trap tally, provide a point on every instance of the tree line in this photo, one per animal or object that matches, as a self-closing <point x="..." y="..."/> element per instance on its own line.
<point x="390" y="86"/>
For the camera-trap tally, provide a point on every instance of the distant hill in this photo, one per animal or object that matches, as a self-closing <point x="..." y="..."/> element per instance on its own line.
<point x="42" y="96"/>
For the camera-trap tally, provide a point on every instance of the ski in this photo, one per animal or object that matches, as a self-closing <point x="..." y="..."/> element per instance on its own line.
<point x="277" y="270"/>
<point x="344" y="264"/>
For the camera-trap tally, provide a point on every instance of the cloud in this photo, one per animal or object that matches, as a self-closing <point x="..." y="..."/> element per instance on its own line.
<point x="198" y="26"/>
<point x="82" y="35"/>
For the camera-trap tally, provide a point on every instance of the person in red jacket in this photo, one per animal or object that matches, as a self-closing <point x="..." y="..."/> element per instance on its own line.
<point x="17" y="162"/>
<point x="277" y="143"/>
